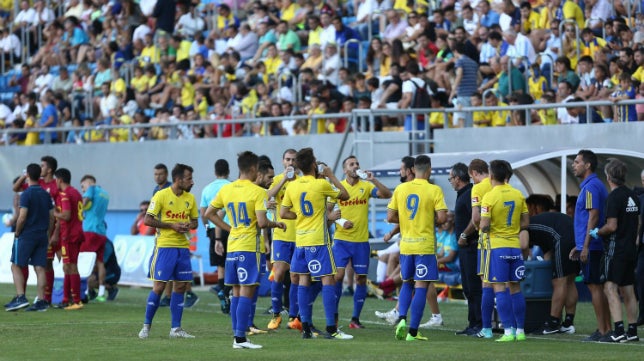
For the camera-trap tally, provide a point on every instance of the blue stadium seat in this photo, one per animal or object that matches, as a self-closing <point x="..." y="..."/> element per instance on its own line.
<point x="148" y="112"/>
<point x="72" y="68"/>
<point x="348" y="20"/>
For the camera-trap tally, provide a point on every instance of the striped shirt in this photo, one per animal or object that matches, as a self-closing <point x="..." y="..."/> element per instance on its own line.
<point x="468" y="85"/>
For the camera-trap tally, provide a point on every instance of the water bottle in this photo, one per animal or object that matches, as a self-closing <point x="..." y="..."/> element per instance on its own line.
<point x="270" y="212"/>
<point x="320" y="168"/>
<point x="361" y="174"/>
<point x="290" y="173"/>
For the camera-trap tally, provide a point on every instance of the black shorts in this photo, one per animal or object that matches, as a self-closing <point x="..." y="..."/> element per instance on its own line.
<point x="619" y="268"/>
<point x="215" y="259"/>
<point x="592" y="270"/>
<point x="562" y="265"/>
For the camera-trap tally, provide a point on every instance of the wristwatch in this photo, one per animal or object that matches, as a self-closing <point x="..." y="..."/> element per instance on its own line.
<point x="463" y="236"/>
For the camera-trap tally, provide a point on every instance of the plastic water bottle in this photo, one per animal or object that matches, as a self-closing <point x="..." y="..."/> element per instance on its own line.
<point x="270" y="212"/>
<point x="290" y="173"/>
<point x="361" y="174"/>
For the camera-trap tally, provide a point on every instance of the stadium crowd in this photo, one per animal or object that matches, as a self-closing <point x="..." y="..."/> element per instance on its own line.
<point x="119" y="62"/>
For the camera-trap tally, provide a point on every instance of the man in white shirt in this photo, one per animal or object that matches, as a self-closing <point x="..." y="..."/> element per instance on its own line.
<point x="564" y="95"/>
<point x="26" y="17"/>
<point x="10" y="45"/>
<point x="147" y="6"/>
<point x="245" y="42"/>
<point x="75" y="9"/>
<point x="108" y="103"/>
<point x="331" y="65"/>
<point x="470" y="19"/>
<point x="396" y="27"/>
<point x="43" y="81"/>
<point x="365" y="9"/>
<point x="189" y="24"/>
<point x="328" y="30"/>
<point x="520" y="48"/>
<point x="43" y="15"/>
<point x="140" y="32"/>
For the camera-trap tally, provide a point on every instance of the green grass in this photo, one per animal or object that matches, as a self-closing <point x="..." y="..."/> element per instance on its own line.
<point x="109" y="332"/>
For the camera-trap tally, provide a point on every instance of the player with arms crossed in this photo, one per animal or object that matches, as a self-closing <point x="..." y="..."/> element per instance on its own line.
<point x="244" y="203"/>
<point x="173" y="212"/>
<point x="305" y="201"/>
<point x="503" y="215"/>
<point x="417" y="206"/>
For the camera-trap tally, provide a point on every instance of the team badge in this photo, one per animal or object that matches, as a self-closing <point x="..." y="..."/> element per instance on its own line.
<point x="242" y="274"/>
<point x="520" y="272"/>
<point x="421" y="271"/>
<point x="314" y="266"/>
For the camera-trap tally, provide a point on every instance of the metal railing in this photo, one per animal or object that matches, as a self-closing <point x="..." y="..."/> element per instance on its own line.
<point x="360" y="119"/>
<point x="552" y="68"/>
<point x="360" y="53"/>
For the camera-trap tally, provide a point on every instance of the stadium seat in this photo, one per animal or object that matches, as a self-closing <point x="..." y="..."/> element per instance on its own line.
<point x="348" y="20"/>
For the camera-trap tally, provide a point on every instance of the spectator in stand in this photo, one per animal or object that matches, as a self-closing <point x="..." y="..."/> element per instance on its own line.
<point x="287" y="38"/>
<point x="464" y="86"/>
<point x="593" y="46"/>
<point x="498" y="118"/>
<point x="520" y="48"/>
<point x="627" y="61"/>
<point x="245" y="42"/>
<point x="366" y="8"/>
<point x="396" y="27"/>
<point x="48" y="119"/>
<point x="10" y="46"/>
<point x="627" y="91"/>
<point x="164" y="12"/>
<point x="587" y="84"/>
<point x="562" y="67"/>
<point x="487" y="16"/>
<point x="564" y="95"/>
<point x="189" y="23"/>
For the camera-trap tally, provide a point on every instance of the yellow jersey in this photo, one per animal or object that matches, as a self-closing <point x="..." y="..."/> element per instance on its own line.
<point x="504" y="205"/>
<point x="170" y="208"/>
<point x="272" y="64"/>
<point x="241" y="200"/>
<point x="592" y="47"/>
<point x="187" y="94"/>
<point x="140" y="84"/>
<point x="639" y="74"/>
<point x="536" y="87"/>
<point x="499" y="118"/>
<point x="149" y="55"/>
<point x="572" y="11"/>
<point x="307" y="196"/>
<point x="480" y="119"/>
<point x="183" y="52"/>
<point x="479" y="190"/>
<point x="534" y="19"/>
<point x="287" y="235"/>
<point x="356" y="210"/>
<point x="547" y="116"/>
<point x="416" y="203"/>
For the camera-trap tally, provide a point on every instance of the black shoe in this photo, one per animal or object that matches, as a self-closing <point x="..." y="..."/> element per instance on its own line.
<point x="165" y="301"/>
<point x="632" y="338"/>
<point x="640" y="321"/>
<point x="612" y="337"/>
<point x="39" y="306"/>
<point x="307" y="334"/>
<point x="112" y="293"/>
<point x="594" y="337"/>
<point x="92" y="294"/>
<point x="61" y="306"/>
<point x="550" y="328"/>
<point x="467" y="331"/>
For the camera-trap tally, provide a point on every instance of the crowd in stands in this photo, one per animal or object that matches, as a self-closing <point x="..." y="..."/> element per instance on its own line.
<point x="158" y="62"/>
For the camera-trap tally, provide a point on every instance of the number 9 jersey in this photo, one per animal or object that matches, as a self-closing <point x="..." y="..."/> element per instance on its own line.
<point x="417" y="203"/>
<point x="504" y="205"/>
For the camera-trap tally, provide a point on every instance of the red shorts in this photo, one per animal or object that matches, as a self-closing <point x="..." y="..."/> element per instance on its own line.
<point x="52" y="250"/>
<point x="94" y="242"/>
<point x="70" y="251"/>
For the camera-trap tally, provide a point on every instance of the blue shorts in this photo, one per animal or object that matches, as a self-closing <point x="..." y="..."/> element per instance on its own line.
<point x="357" y="252"/>
<point x="29" y="251"/>
<point x="282" y="251"/>
<point x="504" y="265"/>
<point x="314" y="260"/>
<point x="170" y="264"/>
<point x="242" y="268"/>
<point x="418" y="267"/>
<point x="592" y="270"/>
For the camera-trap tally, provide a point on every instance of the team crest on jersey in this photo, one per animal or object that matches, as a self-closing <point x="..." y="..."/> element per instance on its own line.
<point x="314" y="266"/>
<point x="187" y="204"/>
<point x="421" y="271"/>
<point x="361" y="190"/>
<point x="151" y="206"/>
<point x="520" y="272"/>
<point x="171" y="203"/>
<point x="242" y="274"/>
<point x="242" y="258"/>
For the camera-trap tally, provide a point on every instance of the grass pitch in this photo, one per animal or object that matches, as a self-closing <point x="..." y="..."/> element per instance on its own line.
<point x="109" y="331"/>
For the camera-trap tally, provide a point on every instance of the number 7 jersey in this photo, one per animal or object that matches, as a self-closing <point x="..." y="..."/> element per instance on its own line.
<point x="504" y="205"/>
<point x="417" y="202"/>
<point x="241" y="199"/>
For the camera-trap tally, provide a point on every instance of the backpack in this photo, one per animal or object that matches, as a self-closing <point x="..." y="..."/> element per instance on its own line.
<point x="421" y="97"/>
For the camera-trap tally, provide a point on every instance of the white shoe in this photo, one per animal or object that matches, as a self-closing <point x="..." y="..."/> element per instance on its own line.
<point x="145" y="332"/>
<point x="435" y="321"/>
<point x="569" y="330"/>
<point x="246" y="344"/>
<point x="339" y="335"/>
<point x="383" y="315"/>
<point x="179" y="333"/>
<point x="392" y="317"/>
